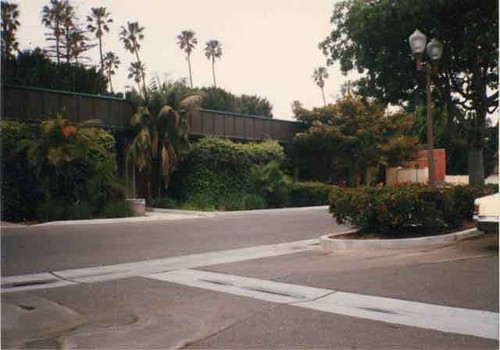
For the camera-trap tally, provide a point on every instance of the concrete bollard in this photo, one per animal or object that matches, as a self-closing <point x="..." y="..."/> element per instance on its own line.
<point x="138" y="206"/>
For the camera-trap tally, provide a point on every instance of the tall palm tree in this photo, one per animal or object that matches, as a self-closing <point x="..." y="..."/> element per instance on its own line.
<point x="98" y="23"/>
<point x="131" y="36"/>
<point x="213" y="50"/>
<point x="10" y="23"/>
<point x="136" y="71"/>
<point x="187" y="41"/>
<point x="319" y="76"/>
<point x="53" y="19"/>
<point x="162" y="138"/>
<point x="111" y="62"/>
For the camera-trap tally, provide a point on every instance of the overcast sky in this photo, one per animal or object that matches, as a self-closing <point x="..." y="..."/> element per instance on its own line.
<point x="270" y="47"/>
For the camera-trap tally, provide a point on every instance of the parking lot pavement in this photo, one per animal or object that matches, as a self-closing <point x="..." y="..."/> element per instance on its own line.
<point x="143" y="312"/>
<point x="463" y="275"/>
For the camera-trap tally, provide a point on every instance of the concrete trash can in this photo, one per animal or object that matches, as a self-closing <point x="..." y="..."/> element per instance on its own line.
<point x="138" y="206"/>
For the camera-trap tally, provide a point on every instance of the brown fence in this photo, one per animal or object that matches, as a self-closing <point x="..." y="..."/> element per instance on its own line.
<point x="33" y="104"/>
<point x="25" y="103"/>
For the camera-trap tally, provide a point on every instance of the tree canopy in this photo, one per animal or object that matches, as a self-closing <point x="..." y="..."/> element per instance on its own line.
<point x="372" y="37"/>
<point x="348" y="141"/>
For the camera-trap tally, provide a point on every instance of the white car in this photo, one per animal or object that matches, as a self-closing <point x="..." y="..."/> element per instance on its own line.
<point x="486" y="213"/>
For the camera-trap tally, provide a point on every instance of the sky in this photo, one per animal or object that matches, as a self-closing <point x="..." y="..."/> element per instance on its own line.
<point x="269" y="47"/>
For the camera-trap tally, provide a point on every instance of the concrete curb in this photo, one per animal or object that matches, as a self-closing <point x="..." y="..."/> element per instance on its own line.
<point x="329" y="244"/>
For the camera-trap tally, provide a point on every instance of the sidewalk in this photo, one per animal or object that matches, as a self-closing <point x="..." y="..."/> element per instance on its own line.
<point x="152" y="214"/>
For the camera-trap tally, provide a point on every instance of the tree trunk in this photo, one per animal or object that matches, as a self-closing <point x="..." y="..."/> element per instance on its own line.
<point x="100" y="53"/>
<point x="323" y="94"/>
<point x="213" y="71"/>
<point x="143" y="74"/>
<point x="110" y="83"/>
<point x="476" y="166"/>
<point x="190" y="74"/>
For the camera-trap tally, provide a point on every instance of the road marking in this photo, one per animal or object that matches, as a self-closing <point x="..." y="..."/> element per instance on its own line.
<point x="109" y="272"/>
<point x="477" y="323"/>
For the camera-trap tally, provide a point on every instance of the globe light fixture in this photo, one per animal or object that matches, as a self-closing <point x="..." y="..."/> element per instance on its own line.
<point x="417" y="42"/>
<point x="434" y="51"/>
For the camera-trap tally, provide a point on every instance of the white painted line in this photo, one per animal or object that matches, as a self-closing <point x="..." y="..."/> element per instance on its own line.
<point x="477" y="323"/>
<point x="33" y="281"/>
<point x="109" y="272"/>
<point x="250" y="287"/>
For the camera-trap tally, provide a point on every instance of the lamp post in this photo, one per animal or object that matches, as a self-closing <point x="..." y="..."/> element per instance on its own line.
<point x="434" y="51"/>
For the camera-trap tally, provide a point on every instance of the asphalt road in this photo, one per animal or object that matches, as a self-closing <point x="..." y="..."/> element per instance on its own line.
<point x="48" y="248"/>
<point x="145" y="311"/>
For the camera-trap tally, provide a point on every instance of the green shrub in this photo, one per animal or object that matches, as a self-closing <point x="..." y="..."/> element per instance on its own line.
<point x="56" y="170"/>
<point x="412" y="208"/>
<point x="165" y="202"/>
<point x="271" y="184"/>
<point x="303" y="194"/>
<point x="116" y="209"/>
<point x="21" y="190"/>
<point x="221" y="174"/>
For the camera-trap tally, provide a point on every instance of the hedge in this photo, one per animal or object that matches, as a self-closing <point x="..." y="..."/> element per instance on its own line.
<point x="56" y="170"/>
<point x="303" y="194"/>
<point x="399" y="209"/>
<point x="221" y="174"/>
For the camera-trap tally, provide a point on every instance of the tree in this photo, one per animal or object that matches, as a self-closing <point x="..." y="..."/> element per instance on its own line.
<point x="136" y="71"/>
<point x="162" y="138"/>
<point x="98" y="23"/>
<point x="319" y="76"/>
<point x="187" y="41"/>
<point x="468" y="70"/>
<point x="10" y="24"/>
<point x="131" y="37"/>
<point x="348" y="141"/>
<point x="53" y="19"/>
<point x="110" y="63"/>
<point x="213" y="50"/>
<point x="34" y="68"/>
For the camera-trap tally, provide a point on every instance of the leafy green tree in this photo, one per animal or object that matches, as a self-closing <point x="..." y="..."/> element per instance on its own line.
<point x="349" y="140"/>
<point x="53" y="19"/>
<point x="98" y="23"/>
<point x="319" y="76"/>
<point x="221" y="100"/>
<point x="131" y="37"/>
<point x="468" y="70"/>
<point x="161" y="139"/>
<point x="110" y="63"/>
<point x="187" y="42"/>
<point x="213" y="50"/>
<point x="10" y="24"/>
<point x="34" y="68"/>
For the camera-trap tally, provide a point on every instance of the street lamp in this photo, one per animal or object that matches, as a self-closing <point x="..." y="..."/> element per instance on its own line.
<point x="434" y="50"/>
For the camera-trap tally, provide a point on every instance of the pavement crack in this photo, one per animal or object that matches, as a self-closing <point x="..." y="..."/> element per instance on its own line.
<point x="64" y="278"/>
<point x="313" y="299"/>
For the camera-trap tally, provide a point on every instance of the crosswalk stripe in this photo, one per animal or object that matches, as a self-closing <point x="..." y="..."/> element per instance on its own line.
<point x="477" y="323"/>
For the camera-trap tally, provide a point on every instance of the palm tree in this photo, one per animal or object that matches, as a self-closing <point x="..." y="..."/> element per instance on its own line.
<point x="131" y="36"/>
<point x="98" y="23"/>
<point x="136" y="71"/>
<point x="53" y="18"/>
<point x="319" y="76"/>
<point x="213" y="50"/>
<point x="111" y="62"/>
<point x="10" y="14"/>
<point x="187" y="42"/>
<point x="162" y="138"/>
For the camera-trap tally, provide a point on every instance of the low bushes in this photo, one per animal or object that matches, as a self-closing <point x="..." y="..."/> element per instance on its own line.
<point x="219" y="174"/>
<point x="397" y="209"/>
<point x="303" y="194"/>
<point x="55" y="170"/>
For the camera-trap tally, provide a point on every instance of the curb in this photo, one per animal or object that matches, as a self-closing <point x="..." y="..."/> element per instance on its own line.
<point x="330" y="244"/>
